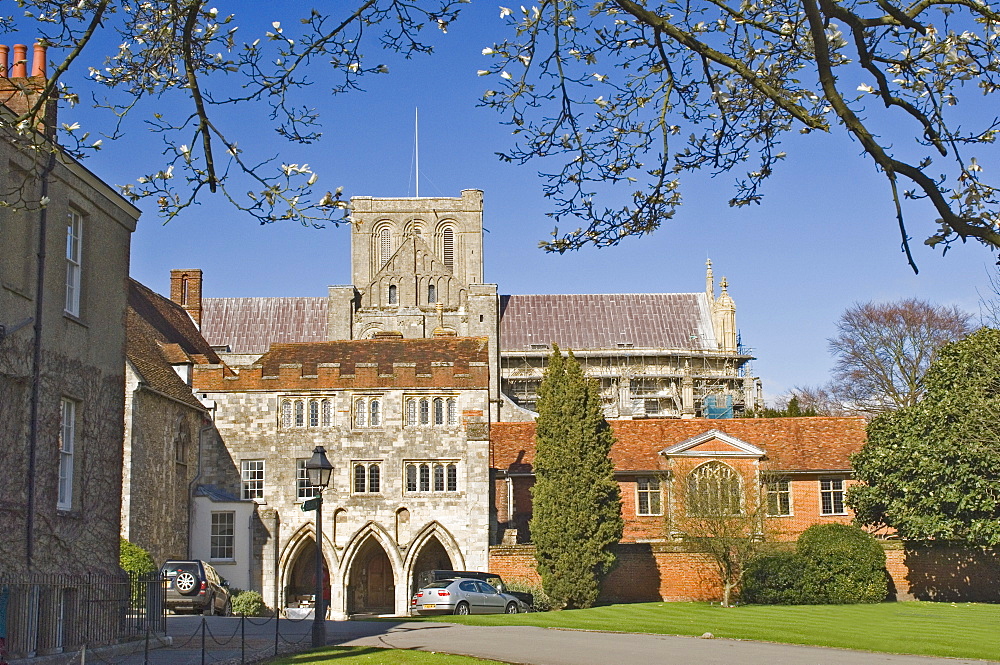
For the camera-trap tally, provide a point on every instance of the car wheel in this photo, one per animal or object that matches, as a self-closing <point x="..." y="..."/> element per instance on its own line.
<point x="511" y="608"/>
<point x="462" y="608"/>
<point x="209" y="608"/>
<point x="185" y="583"/>
<point x="227" y="609"/>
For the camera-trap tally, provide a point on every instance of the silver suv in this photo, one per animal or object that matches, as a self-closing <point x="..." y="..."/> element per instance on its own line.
<point x="194" y="586"/>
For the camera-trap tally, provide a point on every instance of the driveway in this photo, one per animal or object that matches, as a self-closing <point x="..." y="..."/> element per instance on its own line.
<point x="513" y="644"/>
<point x="546" y="646"/>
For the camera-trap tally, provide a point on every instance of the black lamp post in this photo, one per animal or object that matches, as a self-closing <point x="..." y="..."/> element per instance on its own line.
<point x="318" y="470"/>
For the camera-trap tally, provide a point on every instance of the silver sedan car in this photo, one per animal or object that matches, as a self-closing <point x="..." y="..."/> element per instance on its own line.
<point x="463" y="596"/>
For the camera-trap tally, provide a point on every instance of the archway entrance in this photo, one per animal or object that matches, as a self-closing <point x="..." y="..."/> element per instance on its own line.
<point x="372" y="587"/>
<point x="432" y="556"/>
<point x="300" y="587"/>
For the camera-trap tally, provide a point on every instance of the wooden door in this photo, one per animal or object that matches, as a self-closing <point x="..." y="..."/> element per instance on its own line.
<point x="380" y="583"/>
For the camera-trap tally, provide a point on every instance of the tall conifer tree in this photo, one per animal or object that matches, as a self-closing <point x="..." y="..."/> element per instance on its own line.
<point x="576" y="518"/>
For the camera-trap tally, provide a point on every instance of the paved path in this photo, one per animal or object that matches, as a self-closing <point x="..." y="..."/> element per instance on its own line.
<point x="512" y="644"/>
<point x="546" y="646"/>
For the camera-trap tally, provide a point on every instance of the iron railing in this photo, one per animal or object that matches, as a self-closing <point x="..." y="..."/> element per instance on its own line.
<point x="47" y="614"/>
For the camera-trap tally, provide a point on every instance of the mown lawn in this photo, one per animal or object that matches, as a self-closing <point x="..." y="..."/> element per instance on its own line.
<point x="371" y="655"/>
<point x="960" y="630"/>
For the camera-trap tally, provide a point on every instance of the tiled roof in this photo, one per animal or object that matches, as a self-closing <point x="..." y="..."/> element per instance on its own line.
<point x="251" y="325"/>
<point x="159" y="333"/>
<point x="457" y="352"/>
<point x="791" y="444"/>
<point x="215" y="493"/>
<point x="602" y="321"/>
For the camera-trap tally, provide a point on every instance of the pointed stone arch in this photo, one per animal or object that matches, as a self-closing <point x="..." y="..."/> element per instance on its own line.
<point x="301" y="544"/>
<point x="370" y="574"/>
<point x="431" y="534"/>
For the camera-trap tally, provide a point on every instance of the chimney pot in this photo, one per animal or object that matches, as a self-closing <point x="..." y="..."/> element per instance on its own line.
<point x="38" y="60"/>
<point x="20" y="69"/>
<point x="4" y="60"/>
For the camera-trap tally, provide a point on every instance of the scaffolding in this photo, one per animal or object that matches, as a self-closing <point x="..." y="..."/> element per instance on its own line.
<point x="646" y="383"/>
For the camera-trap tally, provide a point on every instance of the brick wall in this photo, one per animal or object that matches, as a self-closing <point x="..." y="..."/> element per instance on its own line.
<point x="643" y="572"/>
<point x="648" y="572"/>
<point x="943" y="573"/>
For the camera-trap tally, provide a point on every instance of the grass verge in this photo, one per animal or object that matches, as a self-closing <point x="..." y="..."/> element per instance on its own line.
<point x="369" y="655"/>
<point x="957" y="630"/>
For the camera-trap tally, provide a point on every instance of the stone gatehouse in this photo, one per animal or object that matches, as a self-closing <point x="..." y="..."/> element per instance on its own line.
<point x="404" y="423"/>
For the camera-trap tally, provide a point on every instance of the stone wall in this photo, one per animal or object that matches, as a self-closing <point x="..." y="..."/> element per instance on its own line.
<point x="161" y="453"/>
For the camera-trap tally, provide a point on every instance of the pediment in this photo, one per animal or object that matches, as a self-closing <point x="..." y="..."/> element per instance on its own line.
<point x="413" y="257"/>
<point x="713" y="443"/>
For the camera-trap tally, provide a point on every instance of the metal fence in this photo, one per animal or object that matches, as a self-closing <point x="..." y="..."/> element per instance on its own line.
<point x="47" y="614"/>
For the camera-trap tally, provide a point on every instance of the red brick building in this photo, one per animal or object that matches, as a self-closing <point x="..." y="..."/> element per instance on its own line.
<point x="798" y="468"/>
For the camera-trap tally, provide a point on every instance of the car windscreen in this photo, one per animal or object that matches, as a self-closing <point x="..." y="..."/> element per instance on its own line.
<point x="440" y="584"/>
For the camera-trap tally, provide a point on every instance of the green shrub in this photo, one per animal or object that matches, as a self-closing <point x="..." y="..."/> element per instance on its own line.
<point x="249" y="603"/>
<point x="846" y="565"/>
<point x="133" y="559"/>
<point x="832" y="564"/>
<point x="542" y="602"/>
<point x="136" y="562"/>
<point x="775" y="579"/>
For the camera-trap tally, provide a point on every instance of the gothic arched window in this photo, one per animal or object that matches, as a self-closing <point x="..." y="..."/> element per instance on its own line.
<point x="393" y="295"/>
<point x="431" y="294"/>
<point x="327" y="413"/>
<point x="713" y="489"/>
<point x="360" y="413"/>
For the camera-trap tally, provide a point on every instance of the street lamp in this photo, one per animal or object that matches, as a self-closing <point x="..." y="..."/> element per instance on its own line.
<point x="318" y="470"/>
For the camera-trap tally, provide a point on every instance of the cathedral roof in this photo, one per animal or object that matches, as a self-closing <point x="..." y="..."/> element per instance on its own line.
<point x="813" y="444"/>
<point x="251" y="325"/>
<point x="607" y="321"/>
<point x="574" y="321"/>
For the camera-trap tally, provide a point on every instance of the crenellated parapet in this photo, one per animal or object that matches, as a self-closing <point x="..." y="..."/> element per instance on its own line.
<point x="356" y="364"/>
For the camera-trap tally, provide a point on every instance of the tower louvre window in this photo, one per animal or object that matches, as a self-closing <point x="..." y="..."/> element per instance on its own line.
<point x="448" y="247"/>
<point x="384" y="246"/>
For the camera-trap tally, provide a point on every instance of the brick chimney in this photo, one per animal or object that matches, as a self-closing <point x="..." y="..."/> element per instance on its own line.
<point x="19" y="91"/>
<point x="185" y="290"/>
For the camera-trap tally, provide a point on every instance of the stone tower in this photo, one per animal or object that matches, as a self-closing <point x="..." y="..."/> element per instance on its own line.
<point x="417" y="271"/>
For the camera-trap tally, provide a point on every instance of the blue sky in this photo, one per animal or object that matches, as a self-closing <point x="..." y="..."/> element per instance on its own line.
<point x="824" y="237"/>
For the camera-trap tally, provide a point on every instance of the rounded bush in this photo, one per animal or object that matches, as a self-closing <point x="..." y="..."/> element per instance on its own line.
<point x="134" y="559"/>
<point x="775" y="580"/>
<point x="846" y="565"/>
<point x="249" y="603"/>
